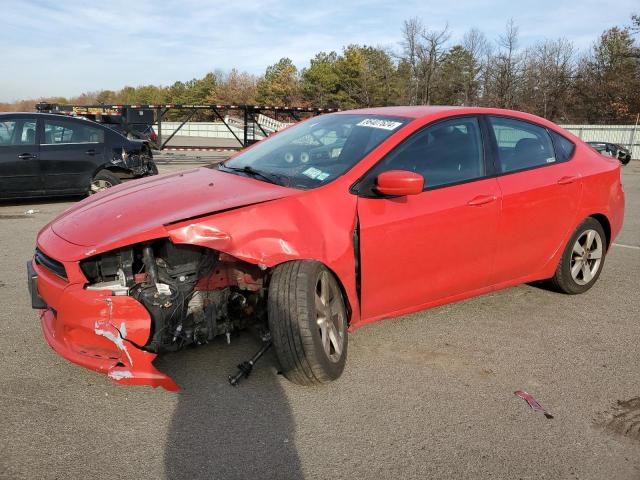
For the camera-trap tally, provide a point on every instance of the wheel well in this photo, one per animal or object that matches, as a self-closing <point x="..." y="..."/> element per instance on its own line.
<point x="606" y="226"/>
<point x="117" y="171"/>
<point x="345" y="297"/>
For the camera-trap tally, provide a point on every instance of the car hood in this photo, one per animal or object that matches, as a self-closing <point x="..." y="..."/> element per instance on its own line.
<point x="143" y="205"/>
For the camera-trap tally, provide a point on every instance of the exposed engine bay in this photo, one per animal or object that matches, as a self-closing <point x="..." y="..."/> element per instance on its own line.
<point x="193" y="294"/>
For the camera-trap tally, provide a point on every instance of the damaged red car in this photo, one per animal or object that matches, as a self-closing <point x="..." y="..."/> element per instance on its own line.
<point x="331" y="224"/>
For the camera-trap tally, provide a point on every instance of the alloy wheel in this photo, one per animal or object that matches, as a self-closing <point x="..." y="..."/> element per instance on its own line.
<point x="330" y="314"/>
<point x="586" y="257"/>
<point x="99" y="185"/>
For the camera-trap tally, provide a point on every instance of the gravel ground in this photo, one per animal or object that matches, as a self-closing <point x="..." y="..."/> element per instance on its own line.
<point x="428" y="395"/>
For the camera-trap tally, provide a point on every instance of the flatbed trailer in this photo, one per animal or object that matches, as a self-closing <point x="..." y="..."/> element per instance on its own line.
<point x="154" y="114"/>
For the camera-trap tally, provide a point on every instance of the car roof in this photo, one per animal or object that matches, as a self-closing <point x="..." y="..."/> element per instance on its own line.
<point x="53" y="116"/>
<point x="38" y="114"/>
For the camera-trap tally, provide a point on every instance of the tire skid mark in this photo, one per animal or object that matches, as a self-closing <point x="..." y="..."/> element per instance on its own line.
<point x="623" y="419"/>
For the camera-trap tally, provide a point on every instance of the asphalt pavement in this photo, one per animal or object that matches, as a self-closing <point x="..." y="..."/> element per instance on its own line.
<point x="427" y="395"/>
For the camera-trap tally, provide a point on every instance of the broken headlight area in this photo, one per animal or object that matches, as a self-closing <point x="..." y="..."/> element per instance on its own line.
<point x="192" y="294"/>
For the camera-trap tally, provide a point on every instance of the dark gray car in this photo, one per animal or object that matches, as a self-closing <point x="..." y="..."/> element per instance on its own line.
<point x="53" y="155"/>
<point x="613" y="150"/>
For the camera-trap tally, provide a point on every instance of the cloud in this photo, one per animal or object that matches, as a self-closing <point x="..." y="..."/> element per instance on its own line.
<point x="75" y="46"/>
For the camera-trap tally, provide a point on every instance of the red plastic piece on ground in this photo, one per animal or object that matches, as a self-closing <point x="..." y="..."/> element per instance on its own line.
<point x="533" y="403"/>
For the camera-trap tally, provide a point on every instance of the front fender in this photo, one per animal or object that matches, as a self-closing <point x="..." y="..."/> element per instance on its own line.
<point x="314" y="225"/>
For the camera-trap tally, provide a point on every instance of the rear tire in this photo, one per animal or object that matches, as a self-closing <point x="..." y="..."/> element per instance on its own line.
<point x="102" y="180"/>
<point x="582" y="260"/>
<point x="308" y="322"/>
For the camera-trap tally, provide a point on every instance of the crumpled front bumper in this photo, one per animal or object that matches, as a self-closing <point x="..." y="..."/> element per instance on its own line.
<point x="97" y="330"/>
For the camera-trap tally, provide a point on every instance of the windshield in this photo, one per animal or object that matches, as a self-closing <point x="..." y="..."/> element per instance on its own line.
<point x="315" y="152"/>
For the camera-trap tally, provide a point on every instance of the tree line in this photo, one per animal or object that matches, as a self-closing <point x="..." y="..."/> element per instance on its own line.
<point x="549" y="78"/>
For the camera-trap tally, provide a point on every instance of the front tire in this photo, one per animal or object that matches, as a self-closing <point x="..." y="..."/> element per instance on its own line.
<point x="308" y="322"/>
<point x="582" y="260"/>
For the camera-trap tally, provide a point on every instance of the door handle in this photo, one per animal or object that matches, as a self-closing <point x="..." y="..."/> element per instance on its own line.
<point x="481" y="200"/>
<point x="91" y="152"/>
<point x="27" y="156"/>
<point x="567" y="180"/>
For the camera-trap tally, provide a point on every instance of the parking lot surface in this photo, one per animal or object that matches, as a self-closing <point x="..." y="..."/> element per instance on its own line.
<point x="428" y="395"/>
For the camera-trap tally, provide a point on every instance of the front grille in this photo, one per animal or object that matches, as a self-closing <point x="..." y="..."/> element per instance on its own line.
<point x="49" y="263"/>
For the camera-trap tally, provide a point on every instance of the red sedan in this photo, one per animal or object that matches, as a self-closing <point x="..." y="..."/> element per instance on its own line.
<point x="334" y="223"/>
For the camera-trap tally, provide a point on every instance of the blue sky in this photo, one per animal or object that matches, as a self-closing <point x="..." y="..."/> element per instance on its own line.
<point x="68" y="47"/>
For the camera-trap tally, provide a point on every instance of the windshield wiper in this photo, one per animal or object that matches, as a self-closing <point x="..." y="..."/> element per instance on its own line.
<point x="274" y="178"/>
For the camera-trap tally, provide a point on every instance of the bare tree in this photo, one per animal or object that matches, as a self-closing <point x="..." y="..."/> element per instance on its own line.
<point x="430" y="53"/>
<point x="475" y="42"/>
<point x="412" y="31"/>
<point x="504" y="69"/>
<point x="550" y="65"/>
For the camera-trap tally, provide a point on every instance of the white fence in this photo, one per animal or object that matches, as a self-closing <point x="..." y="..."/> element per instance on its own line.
<point x="200" y="129"/>
<point x="220" y="130"/>
<point x="625" y="135"/>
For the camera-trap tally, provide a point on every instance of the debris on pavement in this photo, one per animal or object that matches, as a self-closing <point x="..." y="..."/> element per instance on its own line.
<point x="533" y="403"/>
<point x="31" y="211"/>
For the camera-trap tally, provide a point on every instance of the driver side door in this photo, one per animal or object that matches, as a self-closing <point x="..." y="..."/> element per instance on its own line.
<point x="425" y="249"/>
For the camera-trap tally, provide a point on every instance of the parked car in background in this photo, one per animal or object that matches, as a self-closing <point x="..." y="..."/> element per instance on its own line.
<point x="329" y="225"/>
<point x="131" y="121"/>
<point x="613" y="150"/>
<point x="45" y="154"/>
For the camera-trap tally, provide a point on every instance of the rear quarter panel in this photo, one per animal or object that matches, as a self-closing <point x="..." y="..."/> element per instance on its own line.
<point x="602" y="188"/>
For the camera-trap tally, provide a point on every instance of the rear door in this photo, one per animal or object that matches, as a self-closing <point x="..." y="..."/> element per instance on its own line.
<point x="541" y="191"/>
<point x="19" y="167"/>
<point x="70" y="153"/>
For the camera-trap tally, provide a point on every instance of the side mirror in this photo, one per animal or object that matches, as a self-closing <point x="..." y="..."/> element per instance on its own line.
<point x="399" y="183"/>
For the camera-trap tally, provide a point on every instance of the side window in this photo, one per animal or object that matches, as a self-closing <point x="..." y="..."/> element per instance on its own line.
<point x="6" y="132"/>
<point x="521" y="145"/>
<point x="93" y="134"/>
<point x="28" y="133"/>
<point x="564" y="147"/>
<point x="445" y="153"/>
<point x="17" y="132"/>
<point x="57" y="132"/>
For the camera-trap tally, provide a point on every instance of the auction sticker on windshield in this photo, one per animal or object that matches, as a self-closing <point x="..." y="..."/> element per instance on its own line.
<point x="378" y="123"/>
<point x="315" y="174"/>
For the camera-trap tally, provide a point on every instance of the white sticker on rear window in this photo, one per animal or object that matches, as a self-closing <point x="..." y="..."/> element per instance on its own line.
<point x="379" y="123"/>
